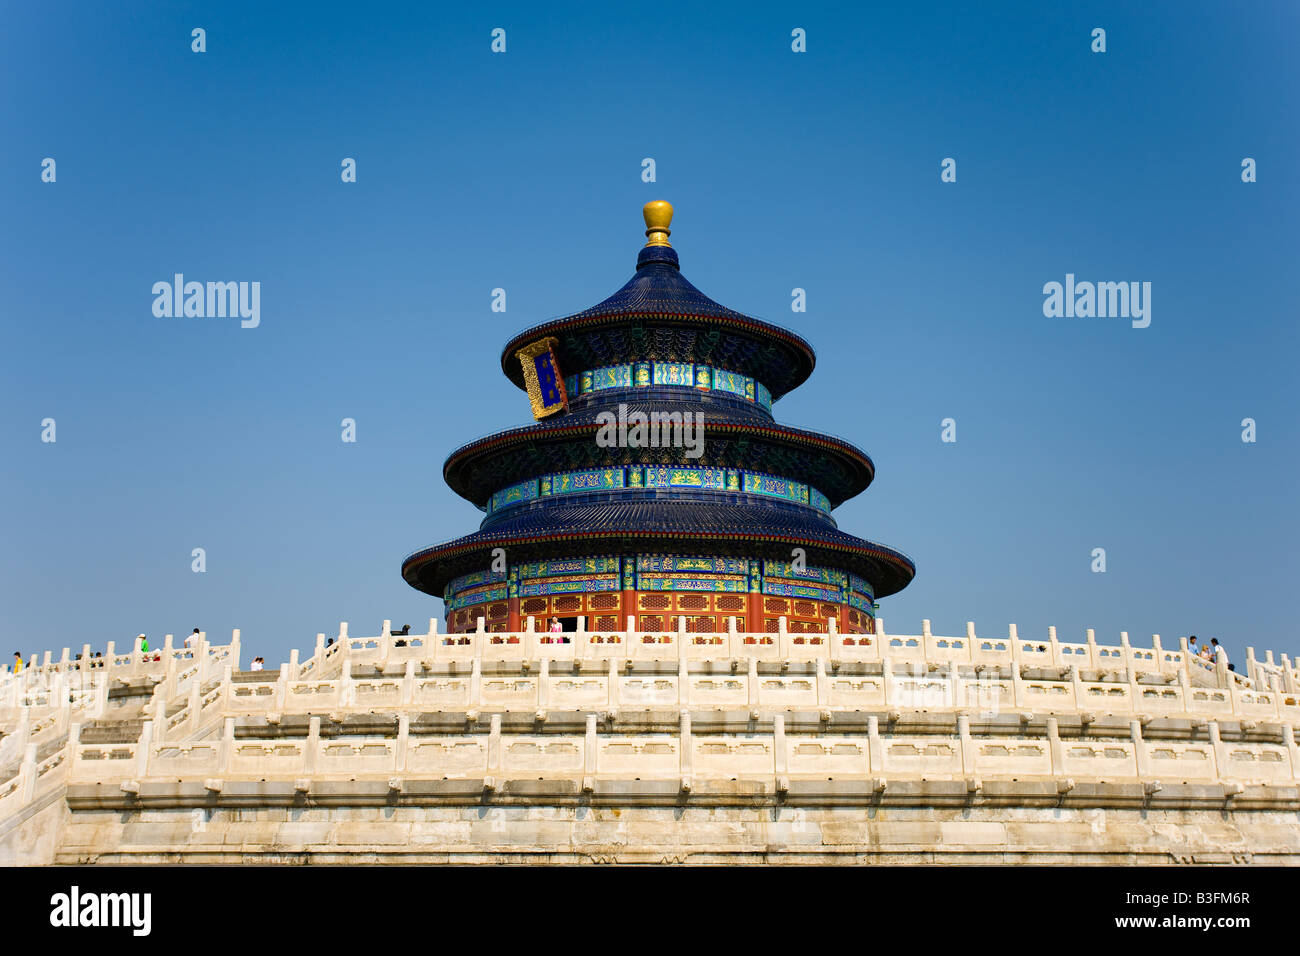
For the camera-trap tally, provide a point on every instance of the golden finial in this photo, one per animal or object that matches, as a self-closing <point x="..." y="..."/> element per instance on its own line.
<point x="658" y="215"/>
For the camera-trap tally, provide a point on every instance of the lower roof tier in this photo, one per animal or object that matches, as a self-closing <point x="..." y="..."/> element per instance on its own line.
<point x="645" y="526"/>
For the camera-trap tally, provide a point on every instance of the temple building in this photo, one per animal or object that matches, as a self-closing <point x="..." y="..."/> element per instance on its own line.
<point x="652" y="521"/>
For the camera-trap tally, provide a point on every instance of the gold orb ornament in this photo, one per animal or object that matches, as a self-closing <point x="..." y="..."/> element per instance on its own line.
<point x="658" y="215"/>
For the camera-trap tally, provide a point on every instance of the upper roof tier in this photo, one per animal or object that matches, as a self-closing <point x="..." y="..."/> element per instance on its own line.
<point x="659" y="315"/>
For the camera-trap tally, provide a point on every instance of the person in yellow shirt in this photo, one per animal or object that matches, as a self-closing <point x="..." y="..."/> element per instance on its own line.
<point x="18" y="661"/>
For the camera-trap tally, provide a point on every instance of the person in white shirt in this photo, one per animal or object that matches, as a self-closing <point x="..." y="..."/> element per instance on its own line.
<point x="257" y="664"/>
<point x="193" y="639"/>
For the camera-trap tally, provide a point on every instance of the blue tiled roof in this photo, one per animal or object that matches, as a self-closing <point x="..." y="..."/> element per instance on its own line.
<point x="687" y="326"/>
<point x="643" y="525"/>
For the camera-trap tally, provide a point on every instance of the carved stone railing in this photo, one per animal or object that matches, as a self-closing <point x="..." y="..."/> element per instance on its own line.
<point x="770" y="758"/>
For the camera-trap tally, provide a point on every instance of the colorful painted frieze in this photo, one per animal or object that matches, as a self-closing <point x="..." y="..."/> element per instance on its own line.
<point x="559" y="566"/>
<point x="515" y="494"/>
<point x="763" y="396"/>
<point x="718" y="583"/>
<point x="861" y="586"/>
<point x="818" y="500"/>
<point x="670" y="563"/>
<point x="673" y="373"/>
<point x="545" y="586"/>
<point x="791" y="589"/>
<point x="785" y="569"/>
<point x="775" y="487"/>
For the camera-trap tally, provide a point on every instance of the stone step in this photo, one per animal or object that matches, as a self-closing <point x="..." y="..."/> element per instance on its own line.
<point x="112" y="731"/>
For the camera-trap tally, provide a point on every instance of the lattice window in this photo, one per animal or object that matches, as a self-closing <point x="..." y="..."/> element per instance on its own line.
<point x="534" y="605"/>
<point x="701" y="624"/>
<point x="652" y="622"/>
<point x="655" y="602"/>
<point x="570" y="602"/>
<point x="729" y="602"/>
<point x="771" y="625"/>
<point x="607" y="622"/>
<point x="603" y="602"/>
<point x="776" y="606"/>
<point x="805" y="608"/>
<point x="693" y="602"/>
<point x="830" y="610"/>
<point x="496" y="610"/>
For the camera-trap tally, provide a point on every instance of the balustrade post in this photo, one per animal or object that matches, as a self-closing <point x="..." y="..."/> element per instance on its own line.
<point x="293" y="664"/>
<point x="494" y="747"/>
<point x="1094" y="659"/>
<point x="968" y="763"/>
<point x="780" y="756"/>
<point x="159" y="719"/>
<point x="385" y="644"/>
<point x="1288" y="739"/>
<point x="402" y="747"/>
<point x="311" y="752"/>
<point x="581" y="633"/>
<point x="1158" y="650"/>
<point x="1055" y="645"/>
<point x="282" y="688"/>
<point x="1221" y="674"/>
<point x="683" y="682"/>
<point x="1288" y="675"/>
<point x="101" y="695"/>
<point x="109" y="654"/>
<point x="27" y="775"/>
<point x="1221" y="763"/>
<point x="475" y="683"/>
<point x="142" y="750"/>
<point x="226" y="755"/>
<point x="589" y="749"/>
<point x="227" y="688"/>
<point x="1013" y="638"/>
<point x="1054" y="746"/>
<point x="752" y="682"/>
<point x="611" y="689"/>
<point x="887" y="680"/>
<point x="235" y="649"/>
<point x="347" y="689"/>
<point x="544" y="687"/>
<point x="408" y="684"/>
<point x="1185" y="682"/>
<point x="1127" y="650"/>
<point x="687" y="748"/>
<point x="169" y="667"/>
<point x="1076" y="683"/>
<point x="823" y="684"/>
<point x="971" y="640"/>
<point x="875" y="746"/>
<point x="1252" y="670"/>
<point x="195" y="704"/>
<point x="1140" y="756"/>
<point x="631" y="629"/>
<point x="65" y="659"/>
<point x="201" y="658"/>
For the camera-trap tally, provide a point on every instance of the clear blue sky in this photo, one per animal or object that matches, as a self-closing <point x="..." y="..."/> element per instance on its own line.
<point x="818" y="170"/>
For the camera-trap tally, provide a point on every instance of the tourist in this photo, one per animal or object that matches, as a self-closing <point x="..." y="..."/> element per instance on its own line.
<point x="193" y="639"/>
<point x="1191" y="646"/>
<point x="18" y="661"/>
<point x="1207" y="652"/>
<point x="257" y="664"/>
<point x="1219" y="653"/>
<point x="144" y="643"/>
<point x="330" y="642"/>
<point x="556" y="627"/>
